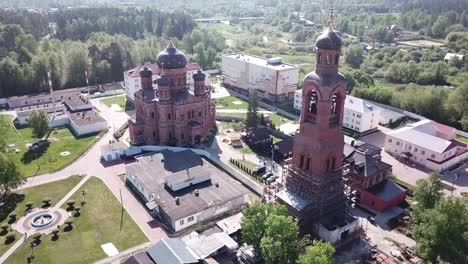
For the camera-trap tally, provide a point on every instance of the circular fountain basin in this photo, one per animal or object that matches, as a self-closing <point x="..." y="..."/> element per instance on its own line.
<point x="42" y="220"/>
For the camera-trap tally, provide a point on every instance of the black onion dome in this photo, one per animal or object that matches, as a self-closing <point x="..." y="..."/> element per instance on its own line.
<point x="171" y="58"/>
<point x="199" y="76"/>
<point x="146" y="73"/>
<point x="328" y="40"/>
<point x="163" y="80"/>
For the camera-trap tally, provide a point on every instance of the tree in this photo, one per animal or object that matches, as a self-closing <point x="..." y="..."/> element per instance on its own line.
<point x="354" y="56"/>
<point x="442" y="232"/>
<point x="10" y="177"/>
<point x="280" y="244"/>
<point x="254" y="221"/>
<point x="3" y="131"/>
<point x="318" y="253"/>
<point x="39" y="122"/>
<point x="251" y="120"/>
<point x="427" y="194"/>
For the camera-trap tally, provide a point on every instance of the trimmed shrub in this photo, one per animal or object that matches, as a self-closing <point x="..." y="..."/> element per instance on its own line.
<point x="29" y="205"/>
<point x="5" y="226"/>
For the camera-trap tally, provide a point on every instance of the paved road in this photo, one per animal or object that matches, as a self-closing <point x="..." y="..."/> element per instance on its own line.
<point x="90" y="164"/>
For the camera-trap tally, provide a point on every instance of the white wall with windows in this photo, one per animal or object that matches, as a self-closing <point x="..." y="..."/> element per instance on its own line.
<point x="359" y="115"/>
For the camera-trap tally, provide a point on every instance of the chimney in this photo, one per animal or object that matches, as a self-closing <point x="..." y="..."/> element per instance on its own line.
<point x="196" y="192"/>
<point x="177" y="200"/>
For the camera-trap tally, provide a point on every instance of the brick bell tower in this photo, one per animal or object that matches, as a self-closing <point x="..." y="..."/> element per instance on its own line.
<point x="314" y="184"/>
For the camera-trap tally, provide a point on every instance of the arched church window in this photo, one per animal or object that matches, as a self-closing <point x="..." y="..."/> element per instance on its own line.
<point x="331" y="164"/>
<point x="301" y="161"/>
<point x="328" y="59"/>
<point x="313" y="103"/>
<point x="334" y="107"/>
<point x="307" y="165"/>
<point x="337" y="59"/>
<point x="319" y="58"/>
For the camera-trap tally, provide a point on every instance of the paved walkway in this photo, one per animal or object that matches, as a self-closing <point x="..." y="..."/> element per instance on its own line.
<point x="72" y="192"/>
<point x="124" y="254"/>
<point x="411" y="172"/>
<point x="90" y="164"/>
<point x="57" y="206"/>
<point x="12" y="249"/>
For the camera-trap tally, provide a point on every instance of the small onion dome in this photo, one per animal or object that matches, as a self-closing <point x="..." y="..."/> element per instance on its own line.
<point x="163" y="80"/>
<point x="146" y="72"/>
<point x="199" y="76"/>
<point x="328" y="40"/>
<point x="171" y="58"/>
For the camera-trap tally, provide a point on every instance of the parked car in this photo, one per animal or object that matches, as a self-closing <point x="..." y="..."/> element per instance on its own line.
<point x="267" y="176"/>
<point x="259" y="170"/>
<point x="272" y="179"/>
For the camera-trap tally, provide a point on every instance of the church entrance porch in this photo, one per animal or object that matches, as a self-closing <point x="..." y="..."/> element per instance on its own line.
<point x="195" y="129"/>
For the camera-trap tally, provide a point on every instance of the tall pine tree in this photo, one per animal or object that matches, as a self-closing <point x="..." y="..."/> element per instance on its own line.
<point x="251" y="120"/>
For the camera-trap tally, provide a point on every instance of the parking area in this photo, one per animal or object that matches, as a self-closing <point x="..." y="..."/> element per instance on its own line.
<point x="411" y="172"/>
<point x="406" y="172"/>
<point x="457" y="178"/>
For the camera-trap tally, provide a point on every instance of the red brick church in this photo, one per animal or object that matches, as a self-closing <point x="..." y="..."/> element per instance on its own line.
<point x="170" y="112"/>
<point x="314" y="191"/>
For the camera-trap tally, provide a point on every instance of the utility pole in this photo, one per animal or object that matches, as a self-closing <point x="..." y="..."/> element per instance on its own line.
<point x="87" y="82"/>
<point x="51" y="90"/>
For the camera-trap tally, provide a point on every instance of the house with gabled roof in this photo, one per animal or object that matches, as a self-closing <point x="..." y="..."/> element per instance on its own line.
<point x="428" y="144"/>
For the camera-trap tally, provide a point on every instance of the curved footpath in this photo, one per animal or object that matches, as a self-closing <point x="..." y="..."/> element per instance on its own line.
<point x="90" y="164"/>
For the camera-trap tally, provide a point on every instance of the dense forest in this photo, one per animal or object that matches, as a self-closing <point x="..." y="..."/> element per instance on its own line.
<point x="105" y="41"/>
<point x="102" y="41"/>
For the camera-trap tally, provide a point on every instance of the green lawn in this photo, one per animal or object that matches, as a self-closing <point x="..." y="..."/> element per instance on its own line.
<point x="228" y="103"/>
<point x="99" y="223"/>
<point x="16" y="201"/>
<point x="50" y="160"/>
<point x="462" y="139"/>
<point x="118" y="100"/>
<point x="247" y="164"/>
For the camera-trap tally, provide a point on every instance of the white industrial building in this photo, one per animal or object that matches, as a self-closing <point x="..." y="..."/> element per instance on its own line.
<point x="132" y="82"/>
<point x="359" y="115"/>
<point x="427" y="143"/>
<point x="270" y="78"/>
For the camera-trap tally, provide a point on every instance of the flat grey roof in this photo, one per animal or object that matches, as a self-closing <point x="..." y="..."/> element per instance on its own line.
<point x="85" y="117"/>
<point x="58" y="108"/>
<point x="172" y="251"/>
<point x="153" y="169"/>
<point x="261" y="61"/>
<point x="387" y="190"/>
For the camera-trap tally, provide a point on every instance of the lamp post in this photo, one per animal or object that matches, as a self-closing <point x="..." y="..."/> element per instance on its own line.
<point x="32" y="245"/>
<point x="83" y="194"/>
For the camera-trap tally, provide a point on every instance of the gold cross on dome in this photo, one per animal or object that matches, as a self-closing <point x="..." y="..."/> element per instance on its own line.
<point x="331" y="16"/>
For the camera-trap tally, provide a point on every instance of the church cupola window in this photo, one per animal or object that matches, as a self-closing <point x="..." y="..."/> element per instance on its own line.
<point x="328" y="59"/>
<point x="337" y="59"/>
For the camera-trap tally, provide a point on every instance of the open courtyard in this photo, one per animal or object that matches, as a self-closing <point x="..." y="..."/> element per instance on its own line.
<point x="101" y="220"/>
<point x="118" y="103"/>
<point x="63" y="148"/>
<point x="17" y="200"/>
